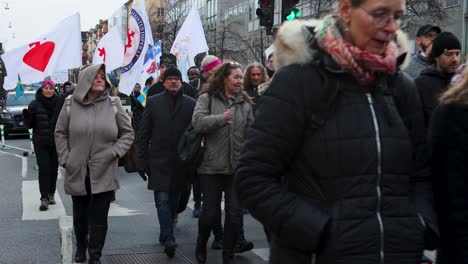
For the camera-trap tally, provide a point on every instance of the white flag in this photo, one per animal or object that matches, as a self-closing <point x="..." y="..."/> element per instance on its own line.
<point x="60" y="49"/>
<point x="189" y="42"/>
<point x="150" y="65"/>
<point x="139" y="37"/>
<point x="110" y="50"/>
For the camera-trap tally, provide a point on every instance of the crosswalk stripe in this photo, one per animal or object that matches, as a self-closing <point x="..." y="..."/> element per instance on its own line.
<point x="31" y="202"/>
<point x="118" y="210"/>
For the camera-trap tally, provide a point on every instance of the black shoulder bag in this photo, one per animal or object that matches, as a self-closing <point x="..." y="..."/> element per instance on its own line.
<point x="191" y="145"/>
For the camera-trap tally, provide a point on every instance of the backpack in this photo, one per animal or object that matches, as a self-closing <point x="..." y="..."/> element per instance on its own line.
<point x="192" y="143"/>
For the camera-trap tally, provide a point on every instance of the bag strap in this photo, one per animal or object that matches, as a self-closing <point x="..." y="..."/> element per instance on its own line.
<point x="210" y="99"/>
<point x="114" y="103"/>
<point x="68" y="103"/>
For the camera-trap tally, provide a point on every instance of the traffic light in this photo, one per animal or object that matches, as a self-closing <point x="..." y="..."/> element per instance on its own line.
<point x="289" y="11"/>
<point x="266" y="14"/>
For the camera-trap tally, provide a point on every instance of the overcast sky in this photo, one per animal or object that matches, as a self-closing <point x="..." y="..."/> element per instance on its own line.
<point x="32" y="18"/>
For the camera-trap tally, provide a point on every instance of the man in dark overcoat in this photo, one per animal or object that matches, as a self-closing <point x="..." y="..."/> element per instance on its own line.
<point x="165" y="118"/>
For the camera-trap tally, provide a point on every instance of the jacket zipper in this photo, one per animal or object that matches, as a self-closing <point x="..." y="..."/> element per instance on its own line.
<point x="379" y="174"/>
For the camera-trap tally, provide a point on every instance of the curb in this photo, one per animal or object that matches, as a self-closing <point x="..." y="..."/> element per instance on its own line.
<point x="66" y="239"/>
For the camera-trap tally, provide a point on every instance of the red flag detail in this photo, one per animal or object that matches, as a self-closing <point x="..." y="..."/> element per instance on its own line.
<point x="39" y="55"/>
<point x="102" y="53"/>
<point x="130" y="35"/>
<point x="152" y="68"/>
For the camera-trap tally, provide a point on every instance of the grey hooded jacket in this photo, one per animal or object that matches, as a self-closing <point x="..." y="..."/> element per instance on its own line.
<point x="416" y="65"/>
<point x="92" y="136"/>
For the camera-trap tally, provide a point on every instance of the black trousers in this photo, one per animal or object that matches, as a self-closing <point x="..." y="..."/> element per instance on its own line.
<point x="197" y="195"/>
<point x="47" y="161"/>
<point x="91" y="209"/>
<point x="213" y="187"/>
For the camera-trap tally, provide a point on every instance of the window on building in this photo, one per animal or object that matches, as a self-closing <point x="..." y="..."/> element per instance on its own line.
<point x="452" y="3"/>
<point x="160" y="12"/>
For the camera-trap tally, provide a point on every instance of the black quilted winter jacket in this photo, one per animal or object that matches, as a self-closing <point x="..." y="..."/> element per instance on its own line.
<point x="42" y="118"/>
<point x="337" y="169"/>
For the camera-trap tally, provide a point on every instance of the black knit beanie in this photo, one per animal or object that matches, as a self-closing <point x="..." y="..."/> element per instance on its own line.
<point x="444" y="42"/>
<point x="172" y="71"/>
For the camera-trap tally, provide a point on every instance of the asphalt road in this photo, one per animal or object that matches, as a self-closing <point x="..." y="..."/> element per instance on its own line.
<point x="30" y="236"/>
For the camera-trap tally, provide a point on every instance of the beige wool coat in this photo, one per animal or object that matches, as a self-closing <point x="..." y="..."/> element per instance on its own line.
<point x="92" y="136"/>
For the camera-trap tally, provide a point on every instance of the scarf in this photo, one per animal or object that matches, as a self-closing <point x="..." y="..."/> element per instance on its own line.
<point x="363" y="64"/>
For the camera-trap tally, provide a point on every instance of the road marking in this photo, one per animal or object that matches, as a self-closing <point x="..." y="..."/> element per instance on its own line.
<point x="263" y="253"/>
<point x="11" y="154"/>
<point x="24" y="167"/>
<point x="28" y="150"/>
<point x="66" y="239"/>
<point x="31" y="204"/>
<point x="117" y="210"/>
<point x="24" y="163"/>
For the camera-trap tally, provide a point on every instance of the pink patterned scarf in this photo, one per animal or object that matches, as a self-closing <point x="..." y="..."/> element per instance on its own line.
<point x="362" y="64"/>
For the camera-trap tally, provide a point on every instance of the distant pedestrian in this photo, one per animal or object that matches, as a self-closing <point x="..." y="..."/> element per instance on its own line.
<point x="93" y="131"/>
<point x="41" y="116"/>
<point x="169" y="60"/>
<point x="165" y="119"/>
<point x="193" y="73"/>
<point x="435" y="80"/>
<point x="270" y="66"/>
<point x="424" y="37"/>
<point x="136" y="107"/>
<point x="254" y="75"/>
<point x="208" y="64"/>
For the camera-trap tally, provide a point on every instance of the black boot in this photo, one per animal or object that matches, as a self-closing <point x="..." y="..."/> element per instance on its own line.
<point x="242" y="245"/>
<point x="97" y="237"/>
<point x="218" y="238"/>
<point x="81" y="234"/>
<point x="200" y="250"/>
<point x="170" y="248"/>
<point x="228" y="257"/>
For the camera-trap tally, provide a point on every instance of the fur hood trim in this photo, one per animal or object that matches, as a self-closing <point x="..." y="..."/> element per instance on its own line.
<point x="293" y="43"/>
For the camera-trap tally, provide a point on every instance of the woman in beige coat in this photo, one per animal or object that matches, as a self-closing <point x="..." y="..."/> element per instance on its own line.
<point x="93" y="131"/>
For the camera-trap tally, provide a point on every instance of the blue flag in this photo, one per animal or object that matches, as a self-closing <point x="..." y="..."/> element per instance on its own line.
<point x="19" y="88"/>
<point x="142" y="97"/>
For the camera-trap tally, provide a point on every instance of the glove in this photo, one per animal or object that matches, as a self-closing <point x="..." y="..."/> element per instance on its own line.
<point x="26" y="113"/>
<point x="143" y="175"/>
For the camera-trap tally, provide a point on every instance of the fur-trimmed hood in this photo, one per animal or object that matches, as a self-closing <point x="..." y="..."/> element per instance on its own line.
<point x="293" y="41"/>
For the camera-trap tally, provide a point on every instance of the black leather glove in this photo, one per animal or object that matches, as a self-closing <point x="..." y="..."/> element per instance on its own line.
<point x="143" y="175"/>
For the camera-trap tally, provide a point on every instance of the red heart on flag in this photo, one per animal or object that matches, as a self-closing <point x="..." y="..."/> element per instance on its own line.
<point x="38" y="57"/>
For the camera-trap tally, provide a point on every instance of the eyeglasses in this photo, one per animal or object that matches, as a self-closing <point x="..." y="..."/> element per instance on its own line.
<point x="382" y="18"/>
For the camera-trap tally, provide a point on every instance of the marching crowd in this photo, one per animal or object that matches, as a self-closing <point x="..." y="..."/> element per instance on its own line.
<point x="350" y="152"/>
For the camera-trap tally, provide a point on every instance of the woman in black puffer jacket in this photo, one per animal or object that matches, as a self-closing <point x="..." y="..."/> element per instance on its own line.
<point x="41" y="116"/>
<point x="334" y="165"/>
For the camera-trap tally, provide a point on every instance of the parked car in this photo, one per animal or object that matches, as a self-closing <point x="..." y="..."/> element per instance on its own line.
<point x="6" y="119"/>
<point x="13" y="111"/>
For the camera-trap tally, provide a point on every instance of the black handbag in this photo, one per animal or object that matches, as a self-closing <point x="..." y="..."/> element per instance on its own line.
<point x="191" y="145"/>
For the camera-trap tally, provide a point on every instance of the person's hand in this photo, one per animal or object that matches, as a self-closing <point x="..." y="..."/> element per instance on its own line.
<point x="26" y="113"/>
<point x="142" y="175"/>
<point x="228" y="115"/>
<point x="130" y="113"/>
